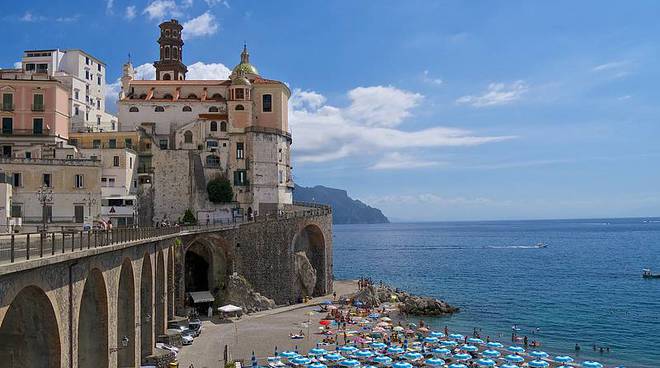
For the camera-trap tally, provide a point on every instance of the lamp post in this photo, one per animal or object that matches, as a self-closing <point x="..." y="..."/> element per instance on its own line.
<point x="45" y="196"/>
<point x="124" y="345"/>
<point x="89" y="201"/>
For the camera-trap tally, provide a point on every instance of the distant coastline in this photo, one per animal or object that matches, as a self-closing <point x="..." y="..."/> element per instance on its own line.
<point x="345" y="210"/>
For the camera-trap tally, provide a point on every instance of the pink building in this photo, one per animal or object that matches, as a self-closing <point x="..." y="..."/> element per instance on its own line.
<point x="34" y="111"/>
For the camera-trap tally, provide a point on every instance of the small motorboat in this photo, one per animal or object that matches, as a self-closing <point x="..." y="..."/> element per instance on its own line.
<point x="647" y="274"/>
<point x="541" y="245"/>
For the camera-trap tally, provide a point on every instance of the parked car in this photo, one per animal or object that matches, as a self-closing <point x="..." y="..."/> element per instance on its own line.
<point x="187" y="337"/>
<point x="196" y="327"/>
<point x="167" y="347"/>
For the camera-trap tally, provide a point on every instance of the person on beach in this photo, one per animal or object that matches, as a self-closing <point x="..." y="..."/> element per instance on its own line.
<point x="525" y="341"/>
<point x="446" y="331"/>
<point x="577" y="347"/>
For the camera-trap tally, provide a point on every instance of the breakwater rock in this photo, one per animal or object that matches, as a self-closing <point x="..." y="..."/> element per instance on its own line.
<point x="372" y="296"/>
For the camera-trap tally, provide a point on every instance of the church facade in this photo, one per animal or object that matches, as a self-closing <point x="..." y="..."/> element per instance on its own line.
<point x="201" y="130"/>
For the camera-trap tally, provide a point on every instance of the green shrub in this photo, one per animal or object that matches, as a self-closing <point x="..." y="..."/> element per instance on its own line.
<point x="219" y="190"/>
<point x="189" y="218"/>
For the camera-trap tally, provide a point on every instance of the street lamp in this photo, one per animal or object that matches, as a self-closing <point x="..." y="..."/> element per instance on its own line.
<point x="45" y="196"/>
<point x="89" y="201"/>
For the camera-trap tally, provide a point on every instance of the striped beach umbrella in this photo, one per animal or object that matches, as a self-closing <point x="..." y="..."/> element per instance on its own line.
<point x="300" y="360"/>
<point x="347" y="349"/>
<point x="515" y="349"/>
<point x="514" y="358"/>
<point x="475" y="340"/>
<point x="538" y="364"/>
<point x="352" y="363"/>
<point x="495" y="344"/>
<point x="437" y="334"/>
<point x="485" y="362"/>
<point x="382" y="360"/>
<point x="591" y="364"/>
<point x="317" y="351"/>
<point x="394" y="350"/>
<point x="431" y="340"/>
<point x="441" y="351"/>
<point x="457" y="365"/>
<point x="378" y="345"/>
<point x="413" y="356"/>
<point x="563" y="359"/>
<point x="364" y="354"/>
<point x="317" y="365"/>
<point x="334" y="357"/>
<point x="448" y="343"/>
<point x="289" y="354"/>
<point x="402" y="365"/>
<point x="508" y="365"/>
<point x="456" y="336"/>
<point x="462" y="356"/>
<point x="491" y="353"/>
<point x="539" y="354"/>
<point x="434" y="362"/>
<point x="471" y="348"/>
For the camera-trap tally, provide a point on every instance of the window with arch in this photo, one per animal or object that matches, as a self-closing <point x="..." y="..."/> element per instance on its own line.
<point x="223" y="126"/>
<point x="192" y="96"/>
<point x="159" y="109"/>
<point x="133" y="109"/>
<point x="214" y="126"/>
<point x="167" y="96"/>
<point x="143" y="96"/>
<point x="217" y="96"/>
<point x="167" y="52"/>
<point x="175" y="52"/>
<point x="187" y="137"/>
<point x="166" y="77"/>
<point x="213" y="109"/>
<point x="240" y="108"/>
<point x="213" y="161"/>
<point x="240" y="93"/>
<point x="187" y="109"/>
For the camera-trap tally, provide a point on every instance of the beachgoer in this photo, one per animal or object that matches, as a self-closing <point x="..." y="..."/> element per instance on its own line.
<point x="487" y="339"/>
<point x="601" y="350"/>
<point x="577" y="347"/>
<point x="607" y="349"/>
<point x="525" y="341"/>
<point x="446" y="330"/>
<point x="594" y="346"/>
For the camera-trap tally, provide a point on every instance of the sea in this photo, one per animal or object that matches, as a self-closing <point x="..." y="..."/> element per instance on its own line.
<point x="585" y="287"/>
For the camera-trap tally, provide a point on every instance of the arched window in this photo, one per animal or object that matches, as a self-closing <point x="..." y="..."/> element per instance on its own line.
<point x="217" y="96"/>
<point x="240" y="108"/>
<point x="214" y="126"/>
<point x="133" y="109"/>
<point x="213" y="109"/>
<point x="223" y="126"/>
<point x="159" y="109"/>
<point x="166" y="77"/>
<point x="167" y="52"/>
<point x="175" y="52"/>
<point x="213" y="161"/>
<point x="167" y="96"/>
<point x="192" y="96"/>
<point x="187" y="109"/>
<point x="187" y="137"/>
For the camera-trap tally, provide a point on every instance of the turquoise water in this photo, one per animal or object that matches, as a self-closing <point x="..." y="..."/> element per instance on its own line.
<point x="585" y="287"/>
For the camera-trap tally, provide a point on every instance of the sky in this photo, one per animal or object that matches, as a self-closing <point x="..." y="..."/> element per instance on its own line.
<point x="428" y="110"/>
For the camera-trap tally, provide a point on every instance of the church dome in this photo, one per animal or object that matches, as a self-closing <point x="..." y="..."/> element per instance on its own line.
<point x="240" y="80"/>
<point x="245" y="67"/>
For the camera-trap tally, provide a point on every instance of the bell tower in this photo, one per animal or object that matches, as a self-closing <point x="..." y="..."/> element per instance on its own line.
<point x="170" y="66"/>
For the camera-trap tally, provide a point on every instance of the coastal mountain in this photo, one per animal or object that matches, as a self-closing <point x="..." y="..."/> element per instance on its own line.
<point x="345" y="210"/>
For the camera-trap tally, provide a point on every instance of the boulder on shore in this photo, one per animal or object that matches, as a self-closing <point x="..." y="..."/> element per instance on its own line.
<point x="239" y="292"/>
<point x="425" y="306"/>
<point x="372" y="296"/>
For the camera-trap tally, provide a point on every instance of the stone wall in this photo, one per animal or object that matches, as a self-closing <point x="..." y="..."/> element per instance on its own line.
<point x="172" y="183"/>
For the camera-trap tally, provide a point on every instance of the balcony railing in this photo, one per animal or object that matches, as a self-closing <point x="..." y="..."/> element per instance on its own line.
<point x="38" y="107"/>
<point x="27" y="132"/>
<point x="7" y="107"/>
<point x="145" y="170"/>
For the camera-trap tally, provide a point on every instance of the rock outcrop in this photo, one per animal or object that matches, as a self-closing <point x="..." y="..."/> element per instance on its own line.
<point x="372" y="296"/>
<point x="305" y="274"/>
<point x="425" y="306"/>
<point x="368" y="296"/>
<point x="239" y="292"/>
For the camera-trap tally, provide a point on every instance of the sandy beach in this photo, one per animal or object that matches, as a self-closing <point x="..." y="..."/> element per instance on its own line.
<point x="258" y="332"/>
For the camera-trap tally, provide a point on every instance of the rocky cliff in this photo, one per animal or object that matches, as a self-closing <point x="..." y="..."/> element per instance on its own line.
<point x="345" y="210"/>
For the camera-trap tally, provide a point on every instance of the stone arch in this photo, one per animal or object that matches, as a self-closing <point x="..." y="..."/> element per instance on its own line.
<point x="160" y="296"/>
<point x="93" y="322"/>
<point x="309" y="252"/>
<point x="207" y="263"/>
<point x="170" y="283"/>
<point x="146" y="308"/>
<point x="29" y="334"/>
<point x="126" y="316"/>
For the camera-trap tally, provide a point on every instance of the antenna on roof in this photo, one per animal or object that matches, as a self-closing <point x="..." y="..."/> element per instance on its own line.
<point x="129" y="57"/>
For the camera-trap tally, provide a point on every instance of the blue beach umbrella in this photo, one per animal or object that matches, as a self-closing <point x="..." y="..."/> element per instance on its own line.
<point x="515" y="349"/>
<point x="369" y="366"/>
<point x="363" y="354"/>
<point x="374" y="315"/>
<point x="462" y="356"/>
<point x="491" y="353"/>
<point x="539" y="354"/>
<point x="508" y="365"/>
<point x="317" y="351"/>
<point x="348" y="349"/>
<point x="485" y="362"/>
<point x="395" y="350"/>
<point x="457" y="365"/>
<point x="413" y="356"/>
<point x="437" y="334"/>
<point x="469" y="348"/>
<point x="456" y="336"/>
<point x="301" y="360"/>
<point x="378" y="345"/>
<point x="402" y="365"/>
<point x="274" y="359"/>
<point x="317" y="365"/>
<point x="590" y="364"/>
<point x="382" y="359"/>
<point x="494" y="344"/>
<point x="434" y="362"/>
<point x="475" y="340"/>
<point x="350" y="363"/>
<point x="538" y="364"/>
<point x="358" y="303"/>
<point x="334" y="357"/>
<point x="441" y="351"/>
<point x="431" y="340"/>
<point x="448" y="343"/>
<point x="326" y="302"/>
<point x="563" y="359"/>
<point x="514" y="358"/>
<point x="289" y="354"/>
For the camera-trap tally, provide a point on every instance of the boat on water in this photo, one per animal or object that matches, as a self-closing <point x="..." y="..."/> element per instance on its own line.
<point x="541" y="245"/>
<point x="647" y="274"/>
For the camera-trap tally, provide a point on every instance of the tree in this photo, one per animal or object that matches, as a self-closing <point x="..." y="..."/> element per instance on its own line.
<point x="219" y="190"/>
<point x="189" y="218"/>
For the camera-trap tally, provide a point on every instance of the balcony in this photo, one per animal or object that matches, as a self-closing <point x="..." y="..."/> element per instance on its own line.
<point x="7" y="107"/>
<point x="145" y="170"/>
<point x="26" y="132"/>
<point x="38" y="107"/>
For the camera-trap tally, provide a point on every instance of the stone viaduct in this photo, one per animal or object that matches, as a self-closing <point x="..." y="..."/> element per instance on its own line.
<point x="105" y="306"/>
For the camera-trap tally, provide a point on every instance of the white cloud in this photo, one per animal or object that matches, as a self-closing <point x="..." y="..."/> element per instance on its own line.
<point x="30" y="17"/>
<point x="430" y="199"/>
<point x="72" y="18"/>
<point x="624" y="97"/>
<point x="398" y="161"/>
<point x="159" y="9"/>
<point x="323" y="132"/>
<point x="109" y="6"/>
<point x="130" y="12"/>
<point x="18" y="65"/>
<point x="429" y="79"/>
<point x="204" y="71"/>
<point x="614" y="69"/>
<point x="496" y="94"/>
<point x="212" y="3"/>
<point x="611" y="65"/>
<point x="204" y="25"/>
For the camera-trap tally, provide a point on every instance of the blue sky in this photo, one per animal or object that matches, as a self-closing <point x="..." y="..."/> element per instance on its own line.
<point x="430" y="110"/>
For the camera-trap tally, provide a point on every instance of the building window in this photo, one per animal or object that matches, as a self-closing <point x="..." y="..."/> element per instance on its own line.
<point x="267" y="103"/>
<point x="28" y="154"/>
<point x="240" y="108"/>
<point x="37" y="102"/>
<point x="192" y="96"/>
<point x="98" y="120"/>
<point x="7" y="125"/>
<point x="213" y="109"/>
<point x="217" y="96"/>
<point x="187" y="109"/>
<point x="98" y="104"/>
<point x="93" y="158"/>
<point x="211" y="144"/>
<point x="16" y="210"/>
<point x="73" y="142"/>
<point x="30" y="67"/>
<point x="159" y="109"/>
<point x="17" y="180"/>
<point x="167" y="96"/>
<point x="6" y="151"/>
<point x="7" y="102"/>
<point x="86" y="74"/>
<point x="87" y="60"/>
<point x="128" y="143"/>
<point x="112" y="143"/>
<point x="133" y="109"/>
<point x="130" y="162"/>
<point x="280" y="176"/>
<point x="76" y="93"/>
<point x="76" y="110"/>
<point x="78" y="181"/>
<point x="223" y="126"/>
<point x="175" y="52"/>
<point x="167" y="76"/>
<point x="214" y="126"/>
<point x="240" y="177"/>
<point x="162" y="144"/>
<point x="187" y="137"/>
<point x="212" y="161"/>
<point x="111" y="182"/>
<point x="240" y="150"/>
<point x="115" y="161"/>
<point x="240" y="93"/>
<point x="167" y="52"/>
<point x="79" y="213"/>
<point x="98" y="80"/>
<point x="38" y="126"/>
<point x="47" y="180"/>
<point x="98" y="67"/>
<point x="96" y="143"/>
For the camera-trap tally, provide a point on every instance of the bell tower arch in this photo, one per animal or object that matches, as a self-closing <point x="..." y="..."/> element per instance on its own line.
<point x="170" y="66"/>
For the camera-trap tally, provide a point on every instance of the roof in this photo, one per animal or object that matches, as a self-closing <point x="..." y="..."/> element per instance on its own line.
<point x="201" y="297"/>
<point x="229" y="308"/>
<point x="147" y="82"/>
<point x="246" y="68"/>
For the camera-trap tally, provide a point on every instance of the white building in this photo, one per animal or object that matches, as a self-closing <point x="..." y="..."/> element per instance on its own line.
<point x="84" y="75"/>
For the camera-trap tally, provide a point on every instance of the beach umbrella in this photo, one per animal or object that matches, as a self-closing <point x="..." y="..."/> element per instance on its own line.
<point x="378" y="345"/>
<point x="374" y="315"/>
<point x="494" y="344"/>
<point x="382" y="359"/>
<point x="448" y="343"/>
<point x="423" y="330"/>
<point x="590" y="364"/>
<point x="462" y="356"/>
<point x="491" y="353"/>
<point x="506" y="365"/>
<point x="563" y="359"/>
<point x="363" y="354"/>
<point x="441" y="351"/>
<point x="538" y="364"/>
<point x="369" y="366"/>
<point x="386" y="319"/>
<point x="301" y="360"/>
<point x="437" y="334"/>
<point x="469" y="348"/>
<point x="395" y="350"/>
<point x="398" y="329"/>
<point x="514" y="358"/>
<point x="317" y="365"/>
<point x="485" y="362"/>
<point x="515" y="349"/>
<point x="457" y="365"/>
<point x="350" y="363"/>
<point x="289" y="354"/>
<point x="326" y="302"/>
<point x="475" y="340"/>
<point x="456" y="336"/>
<point x="348" y="349"/>
<point x="317" y="351"/>
<point x="539" y="354"/>
<point x="358" y="303"/>
<point x="434" y="362"/>
<point x="402" y="365"/>
<point x="325" y="322"/>
<point x="334" y="357"/>
<point x="413" y="355"/>
<point x="431" y="340"/>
